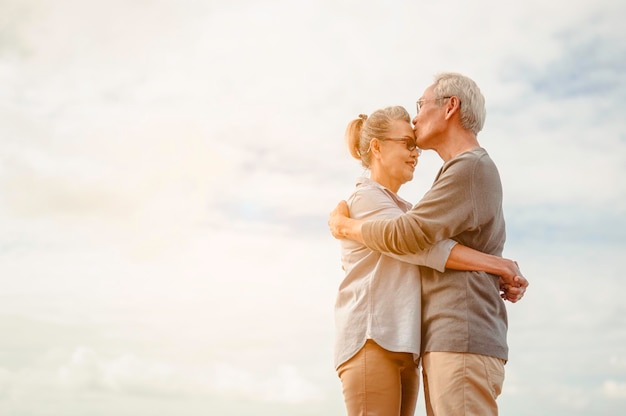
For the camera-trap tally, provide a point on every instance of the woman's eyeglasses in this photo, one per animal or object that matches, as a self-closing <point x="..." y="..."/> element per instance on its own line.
<point x="408" y="141"/>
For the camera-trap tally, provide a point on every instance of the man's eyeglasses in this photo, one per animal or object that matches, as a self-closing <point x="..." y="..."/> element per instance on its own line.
<point x="420" y="103"/>
<point x="408" y="141"/>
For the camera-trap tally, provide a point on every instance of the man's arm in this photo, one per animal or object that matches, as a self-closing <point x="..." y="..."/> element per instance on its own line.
<point x="370" y="202"/>
<point x="447" y="210"/>
<point x="439" y="217"/>
<point x="342" y="226"/>
<point x="512" y="284"/>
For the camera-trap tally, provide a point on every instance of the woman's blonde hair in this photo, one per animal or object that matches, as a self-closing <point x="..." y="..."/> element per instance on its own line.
<point x="363" y="129"/>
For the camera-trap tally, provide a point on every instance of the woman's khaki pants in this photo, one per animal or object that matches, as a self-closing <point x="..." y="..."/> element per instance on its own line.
<point x="379" y="382"/>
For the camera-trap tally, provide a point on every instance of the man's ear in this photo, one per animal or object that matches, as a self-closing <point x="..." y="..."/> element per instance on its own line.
<point x="453" y="106"/>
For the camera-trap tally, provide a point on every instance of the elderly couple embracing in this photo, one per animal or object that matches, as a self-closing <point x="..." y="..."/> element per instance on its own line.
<point x="425" y="285"/>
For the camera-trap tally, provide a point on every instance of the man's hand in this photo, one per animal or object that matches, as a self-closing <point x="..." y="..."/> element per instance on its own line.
<point x="512" y="284"/>
<point x="342" y="226"/>
<point x="337" y="219"/>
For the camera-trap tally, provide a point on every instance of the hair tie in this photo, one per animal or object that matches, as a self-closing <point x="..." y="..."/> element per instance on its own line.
<point x="363" y="117"/>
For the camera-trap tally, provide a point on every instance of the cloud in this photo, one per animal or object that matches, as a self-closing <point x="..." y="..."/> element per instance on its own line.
<point x="125" y="374"/>
<point x="285" y="385"/>
<point x="618" y="362"/>
<point x="87" y="372"/>
<point x="614" y="389"/>
<point x="169" y="169"/>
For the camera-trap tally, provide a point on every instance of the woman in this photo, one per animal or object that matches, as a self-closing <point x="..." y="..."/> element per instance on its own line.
<point x="378" y="307"/>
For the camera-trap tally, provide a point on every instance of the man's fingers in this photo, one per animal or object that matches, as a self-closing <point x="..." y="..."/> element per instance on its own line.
<point x="513" y="294"/>
<point x="521" y="281"/>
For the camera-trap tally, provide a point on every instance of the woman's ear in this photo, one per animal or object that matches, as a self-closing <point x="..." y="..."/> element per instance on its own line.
<point x="375" y="147"/>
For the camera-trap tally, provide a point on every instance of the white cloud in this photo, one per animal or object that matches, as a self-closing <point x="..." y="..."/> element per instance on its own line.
<point x="614" y="389"/>
<point x="286" y="384"/>
<point x="87" y="372"/>
<point x="618" y="362"/>
<point x="169" y="169"/>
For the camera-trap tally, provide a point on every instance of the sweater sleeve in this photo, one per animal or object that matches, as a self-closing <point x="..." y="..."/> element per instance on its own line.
<point x="374" y="203"/>
<point x="435" y="256"/>
<point x="446" y="210"/>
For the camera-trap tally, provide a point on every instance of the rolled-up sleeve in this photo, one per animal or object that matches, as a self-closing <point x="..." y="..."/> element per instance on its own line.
<point x="435" y="256"/>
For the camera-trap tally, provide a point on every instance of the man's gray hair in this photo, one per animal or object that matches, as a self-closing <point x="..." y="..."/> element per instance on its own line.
<point x="473" y="110"/>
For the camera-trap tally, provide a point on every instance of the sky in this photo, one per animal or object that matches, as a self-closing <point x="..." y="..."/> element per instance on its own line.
<point x="167" y="169"/>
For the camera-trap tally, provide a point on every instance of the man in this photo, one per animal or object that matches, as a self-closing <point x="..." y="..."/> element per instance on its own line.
<point x="464" y="320"/>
